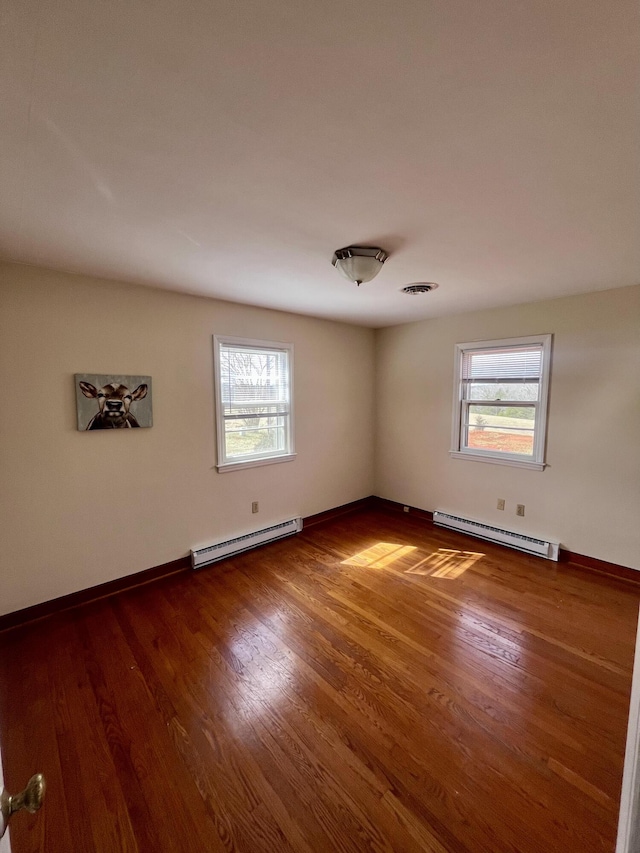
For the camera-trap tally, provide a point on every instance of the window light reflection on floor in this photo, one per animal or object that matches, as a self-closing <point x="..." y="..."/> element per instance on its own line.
<point x="379" y="555"/>
<point x="446" y="563"/>
<point x="443" y="563"/>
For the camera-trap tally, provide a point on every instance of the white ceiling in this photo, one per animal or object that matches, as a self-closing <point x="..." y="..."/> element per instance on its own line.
<point x="227" y="148"/>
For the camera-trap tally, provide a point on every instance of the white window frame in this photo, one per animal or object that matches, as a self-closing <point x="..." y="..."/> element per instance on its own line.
<point x="458" y="451"/>
<point x="254" y="460"/>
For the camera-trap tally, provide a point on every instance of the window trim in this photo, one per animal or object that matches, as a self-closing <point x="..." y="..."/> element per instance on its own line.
<point x="537" y="462"/>
<point x="252" y="462"/>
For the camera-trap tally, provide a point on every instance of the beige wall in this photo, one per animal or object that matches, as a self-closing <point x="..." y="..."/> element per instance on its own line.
<point x="589" y="496"/>
<point x="78" y="508"/>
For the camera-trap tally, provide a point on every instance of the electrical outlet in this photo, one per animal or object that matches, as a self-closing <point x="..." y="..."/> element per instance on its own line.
<point x="519" y="509"/>
<point x="500" y="503"/>
<point x="255" y="506"/>
<point x="405" y="508"/>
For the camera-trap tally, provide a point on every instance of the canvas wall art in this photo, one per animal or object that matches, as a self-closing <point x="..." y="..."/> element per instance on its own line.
<point x="110" y="401"/>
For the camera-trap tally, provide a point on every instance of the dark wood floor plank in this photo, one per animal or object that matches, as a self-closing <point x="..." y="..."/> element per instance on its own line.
<point x="321" y="680"/>
<point x="447" y="748"/>
<point x="373" y="684"/>
<point x="407" y="628"/>
<point x="84" y="753"/>
<point x="236" y="783"/>
<point x="316" y="750"/>
<point x="143" y="746"/>
<point x="29" y="739"/>
<point x="460" y="698"/>
<point x="367" y="706"/>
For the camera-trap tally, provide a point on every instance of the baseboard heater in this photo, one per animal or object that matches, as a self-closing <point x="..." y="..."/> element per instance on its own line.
<point x="219" y="550"/>
<point x="529" y="544"/>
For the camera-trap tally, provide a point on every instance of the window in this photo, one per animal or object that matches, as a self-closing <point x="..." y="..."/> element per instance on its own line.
<point x="253" y="402"/>
<point x="500" y="401"/>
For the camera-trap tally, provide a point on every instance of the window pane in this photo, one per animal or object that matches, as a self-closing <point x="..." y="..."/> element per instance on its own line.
<point x="500" y="399"/>
<point x="502" y="391"/>
<point x="267" y="435"/>
<point x="498" y="429"/>
<point x="253" y="411"/>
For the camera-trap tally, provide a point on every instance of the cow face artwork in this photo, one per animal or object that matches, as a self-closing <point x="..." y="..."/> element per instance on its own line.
<point x="117" y="402"/>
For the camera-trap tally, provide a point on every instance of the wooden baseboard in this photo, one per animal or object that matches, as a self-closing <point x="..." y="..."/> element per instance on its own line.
<point x="336" y="512"/>
<point x="602" y="567"/>
<point x="183" y="564"/>
<point x="394" y="506"/>
<point x="85" y="596"/>
<point x="592" y="564"/>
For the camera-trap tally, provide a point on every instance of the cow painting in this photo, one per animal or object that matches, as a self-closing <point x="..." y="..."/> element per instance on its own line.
<point x="117" y="402"/>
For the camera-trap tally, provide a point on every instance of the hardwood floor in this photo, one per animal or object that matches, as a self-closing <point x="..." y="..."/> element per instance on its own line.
<point x="373" y="684"/>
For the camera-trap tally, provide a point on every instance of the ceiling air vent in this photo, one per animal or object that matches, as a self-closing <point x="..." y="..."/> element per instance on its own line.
<point x="420" y="287"/>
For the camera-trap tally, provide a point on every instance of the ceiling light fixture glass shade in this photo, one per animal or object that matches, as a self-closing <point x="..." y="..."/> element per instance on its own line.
<point x="359" y="263"/>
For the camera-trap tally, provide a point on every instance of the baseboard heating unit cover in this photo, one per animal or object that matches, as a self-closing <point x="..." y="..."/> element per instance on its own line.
<point x="529" y="544"/>
<point x="219" y="550"/>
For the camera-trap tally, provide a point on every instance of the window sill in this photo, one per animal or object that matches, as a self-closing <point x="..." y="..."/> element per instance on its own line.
<point x="495" y="460"/>
<point x="255" y="463"/>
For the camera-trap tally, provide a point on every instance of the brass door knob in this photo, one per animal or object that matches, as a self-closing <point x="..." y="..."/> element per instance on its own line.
<point x="30" y="799"/>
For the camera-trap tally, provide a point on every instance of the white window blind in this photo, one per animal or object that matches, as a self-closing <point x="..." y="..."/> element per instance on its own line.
<point x="254" y="392"/>
<point x="515" y="365"/>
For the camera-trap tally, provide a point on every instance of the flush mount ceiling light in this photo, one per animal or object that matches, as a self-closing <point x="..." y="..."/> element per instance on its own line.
<point x="359" y="263"/>
<point x="419" y="287"/>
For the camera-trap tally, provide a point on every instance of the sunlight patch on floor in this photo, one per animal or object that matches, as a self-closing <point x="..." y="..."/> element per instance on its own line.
<point x="379" y="555"/>
<point x="446" y="563"/>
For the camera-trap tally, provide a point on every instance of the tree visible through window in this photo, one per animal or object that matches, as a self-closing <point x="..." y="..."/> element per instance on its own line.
<point x="501" y="400"/>
<point x="253" y="384"/>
